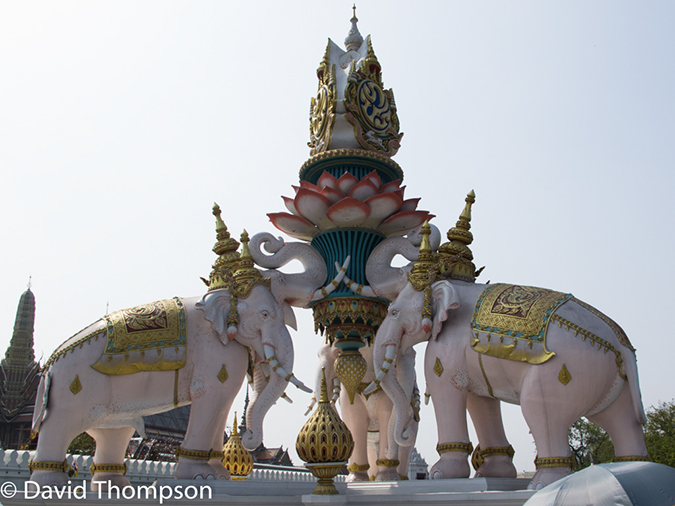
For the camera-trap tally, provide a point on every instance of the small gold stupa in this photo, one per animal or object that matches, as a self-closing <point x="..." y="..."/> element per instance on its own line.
<point x="237" y="459"/>
<point x="324" y="443"/>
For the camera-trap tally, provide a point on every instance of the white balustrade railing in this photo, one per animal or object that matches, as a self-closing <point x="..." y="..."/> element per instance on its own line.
<point x="14" y="468"/>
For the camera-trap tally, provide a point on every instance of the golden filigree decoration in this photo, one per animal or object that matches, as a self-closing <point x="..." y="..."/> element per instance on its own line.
<point x="228" y="257"/>
<point x="593" y="339"/>
<point x="478" y="456"/>
<point x="44" y="465"/>
<point x="620" y="334"/>
<point x="350" y="368"/>
<point x="322" y="110"/>
<point x="340" y="316"/>
<point x="76" y="386"/>
<point x="198" y="454"/>
<point x="387" y="462"/>
<point x="131" y="333"/>
<point x="357" y="468"/>
<point x="347" y="152"/>
<point x="632" y="458"/>
<point x="564" y="376"/>
<point x="222" y="374"/>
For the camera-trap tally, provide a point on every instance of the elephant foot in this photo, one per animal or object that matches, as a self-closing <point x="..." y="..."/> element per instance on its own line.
<point x="358" y="476"/>
<point x="49" y="478"/>
<point x="497" y="466"/>
<point x="387" y="474"/>
<point x="447" y="468"/>
<point x="103" y="481"/>
<point x="547" y="476"/>
<point x="190" y="469"/>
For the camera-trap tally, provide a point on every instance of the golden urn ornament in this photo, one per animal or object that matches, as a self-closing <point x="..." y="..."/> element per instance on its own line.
<point x="324" y="443"/>
<point x="237" y="459"/>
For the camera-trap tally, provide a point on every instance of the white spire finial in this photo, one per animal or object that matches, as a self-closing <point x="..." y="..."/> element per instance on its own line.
<point x="354" y="39"/>
<point x="30" y="281"/>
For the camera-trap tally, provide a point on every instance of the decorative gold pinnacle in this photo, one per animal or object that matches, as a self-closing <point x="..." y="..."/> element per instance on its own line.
<point x="226" y="249"/>
<point x="324" y="443"/>
<point x="237" y="459"/>
<point x="246" y="276"/>
<point x="456" y="259"/>
<point x="424" y="271"/>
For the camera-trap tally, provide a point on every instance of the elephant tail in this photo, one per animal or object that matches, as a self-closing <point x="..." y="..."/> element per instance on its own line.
<point x="630" y="366"/>
<point x="41" y="401"/>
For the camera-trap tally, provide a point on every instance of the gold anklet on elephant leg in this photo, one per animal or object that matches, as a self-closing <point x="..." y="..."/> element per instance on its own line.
<point x="442" y="448"/>
<point x="387" y="462"/>
<point x="479" y="454"/>
<point x="632" y="458"/>
<point x="198" y="454"/>
<point x="356" y="468"/>
<point x="108" y="468"/>
<point x="545" y="462"/>
<point x="36" y="465"/>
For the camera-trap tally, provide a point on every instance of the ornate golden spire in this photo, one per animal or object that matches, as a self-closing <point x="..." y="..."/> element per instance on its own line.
<point x="423" y="272"/>
<point x="456" y="259"/>
<point x="237" y="459"/>
<point x="246" y="277"/>
<point x="325" y="443"/>
<point x="226" y="249"/>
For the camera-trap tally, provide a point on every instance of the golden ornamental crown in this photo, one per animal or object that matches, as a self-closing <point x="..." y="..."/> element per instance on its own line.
<point x="455" y="257"/>
<point x="228" y="257"/>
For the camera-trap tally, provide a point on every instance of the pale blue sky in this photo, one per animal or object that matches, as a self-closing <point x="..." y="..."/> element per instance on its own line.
<point x="122" y="122"/>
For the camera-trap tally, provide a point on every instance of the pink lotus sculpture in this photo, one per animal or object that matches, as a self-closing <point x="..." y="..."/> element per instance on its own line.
<point x="346" y="202"/>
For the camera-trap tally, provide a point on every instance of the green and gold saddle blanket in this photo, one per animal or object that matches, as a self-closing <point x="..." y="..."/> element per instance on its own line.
<point x="150" y="337"/>
<point x="510" y="321"/>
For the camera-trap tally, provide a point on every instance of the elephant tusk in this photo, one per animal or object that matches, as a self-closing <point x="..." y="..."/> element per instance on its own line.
<point x="427" y="396"/>
<point x="364" y="290"/>
<point x="286" y="398"/>
<point x="311" y="406"/>
<point x="276" y="367"/>
<point x="330" y="287"/>
<point x="388" y="360"/>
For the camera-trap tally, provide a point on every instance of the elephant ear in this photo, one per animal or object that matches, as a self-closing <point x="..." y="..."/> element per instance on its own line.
<point x="443" y="298"/>
<point x="216" y="307"/>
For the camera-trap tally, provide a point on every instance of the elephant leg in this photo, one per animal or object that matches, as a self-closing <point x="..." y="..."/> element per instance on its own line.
<point x="52" y="446"/>
<point x="549" y="423"/>
<point x="216" y="463"/>
<point x="404" y="454"/>
<point x="486" y="414"/>
<point x="356" y="417"/>
<point x="620" y="422"/>
<point x="450" y="410"/>
<point x="111" y="446"/>
<point x="206" y="425"/>
<point x="373" y="449"/>
<point x="387" y="462"/>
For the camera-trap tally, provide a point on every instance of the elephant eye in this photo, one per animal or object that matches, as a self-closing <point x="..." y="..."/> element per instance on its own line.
<point x="394" y="312"/>
<point x="264" y="314"/>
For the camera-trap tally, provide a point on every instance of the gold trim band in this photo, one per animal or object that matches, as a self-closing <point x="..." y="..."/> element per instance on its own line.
<point x="387" y="462"/>
<point x="108" y="468"/>
<point x="36" y="465"/>
<point x="198" y="454"/>
<point x="498" y="450"/>
<point x="544" y="462"/>
<point x="356" y="468"/>
<point x="632" y="458"/>
<point x="442" y="448"/>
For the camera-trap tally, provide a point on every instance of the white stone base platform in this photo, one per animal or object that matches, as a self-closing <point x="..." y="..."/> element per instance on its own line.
<point x="461" y="492"/>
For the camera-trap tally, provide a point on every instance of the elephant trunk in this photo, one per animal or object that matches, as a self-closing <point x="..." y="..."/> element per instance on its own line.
<point x="385" y="280"/>
<point x="296" y="289"/>
<point x="267" y="391"/>
<point x="398" y="429"/>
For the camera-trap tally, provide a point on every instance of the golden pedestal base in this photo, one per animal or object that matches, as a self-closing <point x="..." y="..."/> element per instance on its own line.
<point x="324" y="473"/>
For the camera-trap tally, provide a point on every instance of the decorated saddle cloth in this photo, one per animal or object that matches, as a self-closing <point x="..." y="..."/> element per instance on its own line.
<point x="510" y="321"/>
<point x="150" y="337"/>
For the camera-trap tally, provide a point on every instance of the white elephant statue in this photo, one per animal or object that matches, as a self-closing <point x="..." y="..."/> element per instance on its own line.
<point x="554" y="355"/>
<point x="369" y="416"/>
<point x="158" y="356"/>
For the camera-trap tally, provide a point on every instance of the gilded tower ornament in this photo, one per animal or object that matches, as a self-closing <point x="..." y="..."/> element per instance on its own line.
<point x="226" y="249"/>
<point x="237" y="459"/>
<point x="456" y="259"/>
<point x="324" y="443"/>
<point x="322" y="109"/>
